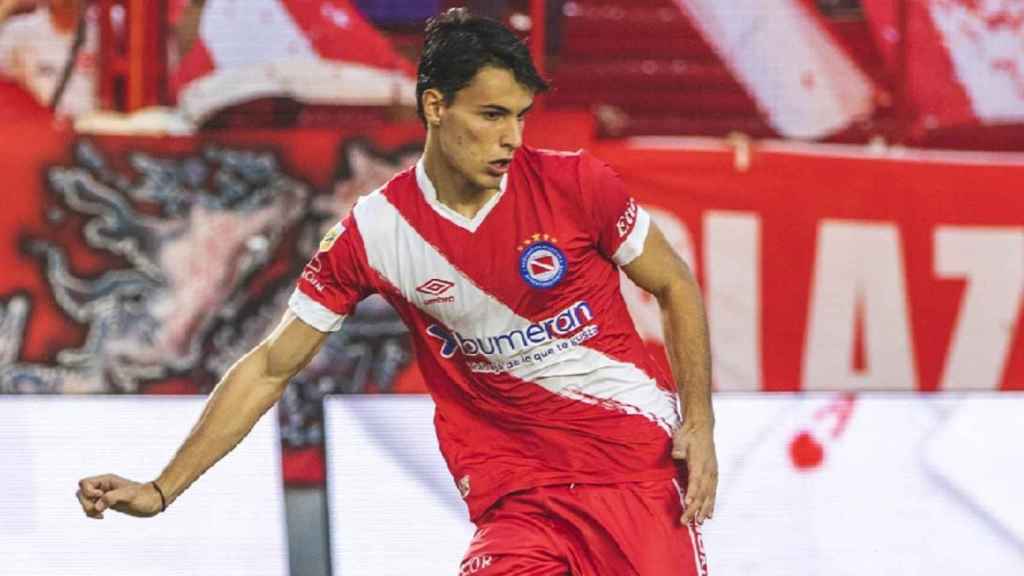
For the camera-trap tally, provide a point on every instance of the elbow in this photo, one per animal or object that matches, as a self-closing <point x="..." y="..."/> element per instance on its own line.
<point x="672" y="291"/>
<point x="271" y="377"/>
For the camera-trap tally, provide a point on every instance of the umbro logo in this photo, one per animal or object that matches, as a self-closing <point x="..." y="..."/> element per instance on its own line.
<point x="436" y="287"/>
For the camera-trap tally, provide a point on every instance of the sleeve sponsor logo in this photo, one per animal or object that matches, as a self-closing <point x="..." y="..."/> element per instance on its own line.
<point x="311" y="273"/>
<point x="628" y="218"/>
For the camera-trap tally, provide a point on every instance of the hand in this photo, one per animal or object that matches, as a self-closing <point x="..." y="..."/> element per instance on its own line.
<point x="695" y="443"/>
<point x="98" y="493"/>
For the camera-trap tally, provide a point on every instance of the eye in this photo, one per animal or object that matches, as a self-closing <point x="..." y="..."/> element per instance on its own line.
<point x="492" y="115"/>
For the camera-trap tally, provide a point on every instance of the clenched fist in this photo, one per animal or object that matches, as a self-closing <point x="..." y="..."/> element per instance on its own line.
<point x="97" y="493"/>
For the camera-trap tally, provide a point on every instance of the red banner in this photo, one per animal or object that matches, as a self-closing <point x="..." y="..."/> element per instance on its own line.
<point x="831" y="268"/>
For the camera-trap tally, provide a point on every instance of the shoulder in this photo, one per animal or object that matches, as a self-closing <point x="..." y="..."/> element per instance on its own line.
<point x="593" y="169"/>
<point x="555" y="168"/>
<point x="544" y="159"/>
<point x="367" y="205"/>
<point x="376" y="214"/>
<point x="579" y="165"/>
<point x="399" y="187"/>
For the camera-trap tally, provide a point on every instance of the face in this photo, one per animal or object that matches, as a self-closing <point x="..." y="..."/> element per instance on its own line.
<point x="480" y="129"/>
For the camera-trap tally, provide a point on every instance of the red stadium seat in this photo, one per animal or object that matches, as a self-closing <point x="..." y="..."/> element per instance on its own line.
<point x="648" y="60"/>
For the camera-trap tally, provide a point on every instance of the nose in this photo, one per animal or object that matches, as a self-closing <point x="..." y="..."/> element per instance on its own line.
<point x="512" y="134"/>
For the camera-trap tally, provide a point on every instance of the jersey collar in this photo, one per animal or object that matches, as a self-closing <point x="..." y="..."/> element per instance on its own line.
<point x="430" y="195"/>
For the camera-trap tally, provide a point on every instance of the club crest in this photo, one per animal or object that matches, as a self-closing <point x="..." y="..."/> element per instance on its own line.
<point x="542" y="264"/>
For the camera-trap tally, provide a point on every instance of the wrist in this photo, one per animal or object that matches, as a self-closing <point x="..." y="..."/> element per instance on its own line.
<point x="160" y="492"/>
<point x="698" y="420"/>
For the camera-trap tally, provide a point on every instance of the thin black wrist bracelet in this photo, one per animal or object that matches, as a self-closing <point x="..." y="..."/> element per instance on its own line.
<point x="163" y="501"/>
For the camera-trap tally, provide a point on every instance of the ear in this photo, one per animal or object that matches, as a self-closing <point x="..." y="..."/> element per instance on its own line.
<point x="433" y="106"/>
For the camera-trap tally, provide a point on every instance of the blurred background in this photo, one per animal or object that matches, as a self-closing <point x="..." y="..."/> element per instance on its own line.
<point x="845" y="178"/>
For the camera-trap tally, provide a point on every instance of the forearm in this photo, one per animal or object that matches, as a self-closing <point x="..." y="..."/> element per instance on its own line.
<point x="686" y="342"/>
<point x="243" y="395"/>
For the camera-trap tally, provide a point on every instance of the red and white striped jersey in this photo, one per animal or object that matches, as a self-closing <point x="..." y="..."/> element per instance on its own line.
<point x="519" y="326"/>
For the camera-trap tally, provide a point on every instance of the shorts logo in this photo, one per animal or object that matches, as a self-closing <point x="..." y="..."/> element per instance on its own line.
<point x="476" y="564"/>
<point x="464" y="486"/>
<point x="542" y="265"/>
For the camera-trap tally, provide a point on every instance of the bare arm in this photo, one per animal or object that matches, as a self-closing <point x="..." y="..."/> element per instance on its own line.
<point x="244" y="394"/>
<point x="661" y="271"/>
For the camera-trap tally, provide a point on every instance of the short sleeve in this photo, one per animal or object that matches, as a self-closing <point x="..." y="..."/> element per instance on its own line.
<point x="620" y="225"/>
<point x="334" y="280"/>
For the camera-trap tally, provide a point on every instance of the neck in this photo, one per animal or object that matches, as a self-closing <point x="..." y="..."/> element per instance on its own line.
<point x="453" y="189"/>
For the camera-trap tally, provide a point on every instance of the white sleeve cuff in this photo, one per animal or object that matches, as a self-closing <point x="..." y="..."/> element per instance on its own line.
<point x="633" y="245"/>
<point x="314" y="313"/>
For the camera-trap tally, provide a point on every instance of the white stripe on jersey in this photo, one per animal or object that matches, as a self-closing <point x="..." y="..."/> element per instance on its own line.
<point x="314" y="313"/>
<point x="430" y="195"/>
<point x="633" y="245"/>
<point x="581" y="373"/>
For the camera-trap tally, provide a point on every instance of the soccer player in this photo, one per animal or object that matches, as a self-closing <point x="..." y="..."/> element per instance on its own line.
<point x="559" y="430"/>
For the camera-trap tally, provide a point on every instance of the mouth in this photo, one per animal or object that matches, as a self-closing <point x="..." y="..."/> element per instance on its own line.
<point x="499" y="167"/>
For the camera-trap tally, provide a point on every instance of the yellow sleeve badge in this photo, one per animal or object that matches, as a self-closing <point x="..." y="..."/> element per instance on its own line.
<point x="331" y="237"/>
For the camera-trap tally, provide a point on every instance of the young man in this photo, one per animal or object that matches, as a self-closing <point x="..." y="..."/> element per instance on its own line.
<point x="558" y="429"/>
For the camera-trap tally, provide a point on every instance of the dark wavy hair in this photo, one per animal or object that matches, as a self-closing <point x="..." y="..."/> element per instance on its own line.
<point x="458" y="44"/>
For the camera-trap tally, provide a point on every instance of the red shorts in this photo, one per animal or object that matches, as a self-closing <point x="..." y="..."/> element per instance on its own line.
<point x="627" y="529"/>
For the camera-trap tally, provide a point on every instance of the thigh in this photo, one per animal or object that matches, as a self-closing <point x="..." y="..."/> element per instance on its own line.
<point x="513" y="543"/>
<point x="627" y="529"/>
<point x="642" y="518"/>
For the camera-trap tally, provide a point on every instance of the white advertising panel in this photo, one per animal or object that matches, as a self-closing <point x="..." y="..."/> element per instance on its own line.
<point x="392" y="506"/>
<point x="823" y="484"/>
<point x="230" y="522"/>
